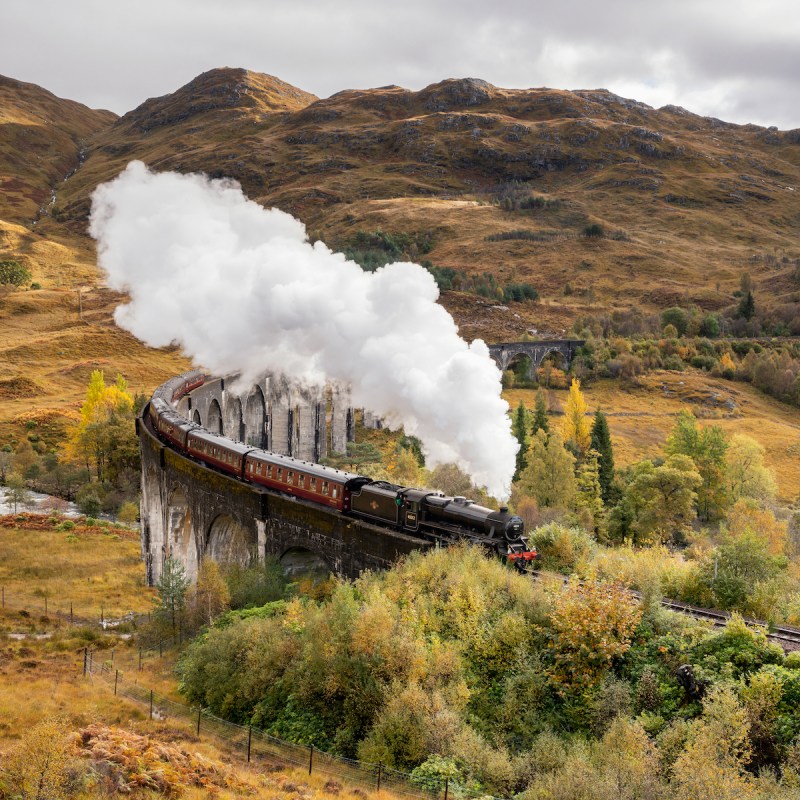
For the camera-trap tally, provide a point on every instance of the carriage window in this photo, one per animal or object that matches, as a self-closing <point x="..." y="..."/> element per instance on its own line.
<point x="313" y="484"/>
<point x="300" y="480"/>
<point x="324" y="487"/>
<point x="290" y="477"/>
<point x="335" y="492"/>
<point x="280" y="474"/>
<point x="269" y="471"/>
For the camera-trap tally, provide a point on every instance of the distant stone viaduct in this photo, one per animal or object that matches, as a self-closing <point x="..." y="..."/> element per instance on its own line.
<point x="191" y="511"/>
<point x="536" y="352"/>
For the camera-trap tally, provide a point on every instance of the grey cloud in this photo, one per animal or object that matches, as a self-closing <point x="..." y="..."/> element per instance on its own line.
<point x="693" y="53"/>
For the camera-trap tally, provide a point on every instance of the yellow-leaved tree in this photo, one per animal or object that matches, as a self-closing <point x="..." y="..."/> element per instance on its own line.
<point x="105" y="439"/>
<point x="575" y="427"/>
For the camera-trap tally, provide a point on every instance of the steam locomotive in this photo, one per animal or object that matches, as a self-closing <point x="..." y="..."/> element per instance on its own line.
<point x="421" y="512"/>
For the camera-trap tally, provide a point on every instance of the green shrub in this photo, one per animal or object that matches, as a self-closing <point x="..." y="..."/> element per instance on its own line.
<point x="706" y="363"/>
<point x="66" y="525"/>
<point x="36" y="285"/>
<point x="594" y="231"/>
<point x="89" y="499"/>
<point x="14" y="273"/>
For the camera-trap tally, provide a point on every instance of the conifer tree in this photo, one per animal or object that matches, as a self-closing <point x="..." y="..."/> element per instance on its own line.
<point x="171" y="587"/>
<point x="540" y="422"/>
<point x="589" y="491"/>
<point x="575" y="427"/>
<point x="601" y="442"/>
<point x="520" y="430"/>
<point x="747" y="306"/>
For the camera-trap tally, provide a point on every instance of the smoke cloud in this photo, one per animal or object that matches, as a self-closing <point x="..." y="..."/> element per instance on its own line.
<point x="241" y="289"/>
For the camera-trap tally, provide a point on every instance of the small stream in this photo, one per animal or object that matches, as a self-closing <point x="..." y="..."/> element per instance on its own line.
<point x="38" y="504"/>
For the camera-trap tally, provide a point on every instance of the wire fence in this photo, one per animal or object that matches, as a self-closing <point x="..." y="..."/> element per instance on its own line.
<point x="256" y="746"/>
<point x="150" y="642"/>
<point x="65" y="611"/>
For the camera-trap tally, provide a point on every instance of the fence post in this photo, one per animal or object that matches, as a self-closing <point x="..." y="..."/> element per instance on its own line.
<point x="310" y="758"/>
<point x="116" y="678"/>
<point x="446" y="787"/>
<point x="249" y="741"/>
<point x="140" y="659"/>
<point x="380" y="770"/>
<point x="151" y="704"/>
<point x="102" y="616"/>
<point x="91" y="661"/>
<point x="199" y="712"/>
<point x="45" y="605"/>
<point x="85" y="659"/>
<point x="71" y="620"/>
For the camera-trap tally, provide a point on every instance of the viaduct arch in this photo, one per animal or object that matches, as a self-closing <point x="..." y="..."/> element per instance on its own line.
<point x="190" y="512"/>
<point x="536" y="352"/>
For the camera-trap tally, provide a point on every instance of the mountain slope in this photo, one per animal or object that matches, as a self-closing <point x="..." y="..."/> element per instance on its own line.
<point x="41" y="137"/>
<point x="687" y="202"/>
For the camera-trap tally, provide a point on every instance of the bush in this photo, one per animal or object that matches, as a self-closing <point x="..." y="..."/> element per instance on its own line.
<point x="561" y="548"/>
<point x="89" y="499"/>
<point x="66" y="525"/>
<point x="674" y="363"/>
<point x="709" y="326"/>
<point x="128" y="513"/>
<point x="519" y="292"/>
<point x="677" y="317"/>
<point x="594" y="231"/>
<point x="12" y="272"/>
<point x="256" y="585"/>
<point x="35" y="285"/>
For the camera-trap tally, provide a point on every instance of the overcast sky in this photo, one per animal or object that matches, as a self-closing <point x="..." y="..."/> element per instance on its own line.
<point x="739" y="61"/>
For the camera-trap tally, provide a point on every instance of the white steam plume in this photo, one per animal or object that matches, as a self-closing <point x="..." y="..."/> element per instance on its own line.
<point x="240" y="288"/>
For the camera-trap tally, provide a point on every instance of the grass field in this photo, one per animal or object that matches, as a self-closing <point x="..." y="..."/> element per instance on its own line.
<point x="41" y="676"/>
<point x="92" y="569"/>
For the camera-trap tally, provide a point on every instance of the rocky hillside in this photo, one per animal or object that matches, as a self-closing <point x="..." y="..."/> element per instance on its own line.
<point x="471" y="177"/>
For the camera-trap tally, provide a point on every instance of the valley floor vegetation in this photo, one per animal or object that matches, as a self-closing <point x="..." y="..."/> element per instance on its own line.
<point x="96" y="464"/>
<point x="452" y="665"/>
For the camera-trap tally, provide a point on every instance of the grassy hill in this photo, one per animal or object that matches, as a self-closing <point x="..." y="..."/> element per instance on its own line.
<point x="471" y="177"/>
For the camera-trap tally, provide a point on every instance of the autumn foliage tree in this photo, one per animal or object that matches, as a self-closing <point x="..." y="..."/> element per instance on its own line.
<point x="105" y="439"/>
<point x="575" y="427"/>
<point x="550" y="475"/>
<point x="592" y="624"/>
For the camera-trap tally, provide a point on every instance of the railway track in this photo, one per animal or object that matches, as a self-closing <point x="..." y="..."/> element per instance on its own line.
<point x="787" y="637"/>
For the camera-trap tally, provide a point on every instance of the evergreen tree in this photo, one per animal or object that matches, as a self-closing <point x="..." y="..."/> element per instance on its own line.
<point x="601" y="442"/>
<point x="520" y="430"/>
<point x="589" y="494"/>
<point x="171" y="587"/>
<point x="747" y="306"/>
<point x="540" y="422"/>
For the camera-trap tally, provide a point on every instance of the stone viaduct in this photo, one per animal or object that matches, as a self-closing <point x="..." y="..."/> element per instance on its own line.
<point x="190" y="511"/>
<point x="536" y="352"/>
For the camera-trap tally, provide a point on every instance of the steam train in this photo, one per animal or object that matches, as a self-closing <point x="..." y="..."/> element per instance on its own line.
<point x="420" y="512"/>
